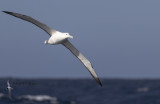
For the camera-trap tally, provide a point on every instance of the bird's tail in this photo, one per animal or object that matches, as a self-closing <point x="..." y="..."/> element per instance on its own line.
<point x="45" y="42"/>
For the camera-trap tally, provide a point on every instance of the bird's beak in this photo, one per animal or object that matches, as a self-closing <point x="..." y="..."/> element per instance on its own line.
<point x="71" y="36"/>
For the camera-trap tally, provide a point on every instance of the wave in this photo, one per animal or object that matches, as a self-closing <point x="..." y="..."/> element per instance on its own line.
<point x="39" y="98"/>
<point x="143" y="89"/>
<point x="32" y="99"/>
<point x="29" y="98"/>
<point x="2" y="95"/>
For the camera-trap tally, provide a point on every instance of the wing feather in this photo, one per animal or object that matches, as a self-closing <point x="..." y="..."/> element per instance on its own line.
<point x="85" y="62"/>
<point x="46" y="28"/>
<point x="8" y="84"/>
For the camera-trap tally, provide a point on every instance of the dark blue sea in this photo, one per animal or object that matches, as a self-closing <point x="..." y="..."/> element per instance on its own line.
<point x="80" y="91"/>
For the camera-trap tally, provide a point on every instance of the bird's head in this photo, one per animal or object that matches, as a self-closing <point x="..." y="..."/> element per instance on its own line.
<point x="67" y="35"/>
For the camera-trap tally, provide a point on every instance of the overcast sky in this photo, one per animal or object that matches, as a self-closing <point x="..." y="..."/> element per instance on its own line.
<point x="121" y="38"/>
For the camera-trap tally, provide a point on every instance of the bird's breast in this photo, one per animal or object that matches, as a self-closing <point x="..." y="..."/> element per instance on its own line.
<point x="55" y="40"/>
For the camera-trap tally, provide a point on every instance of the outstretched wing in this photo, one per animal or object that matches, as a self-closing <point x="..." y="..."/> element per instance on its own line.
<point x="9" y="93"/>
<point x="86" y="63"/>
<point x="46" y="28"/>
<point x="8" y="84"/>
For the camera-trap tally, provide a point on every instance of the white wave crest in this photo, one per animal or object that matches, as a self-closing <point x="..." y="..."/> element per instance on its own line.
<point x="39" y="98"/>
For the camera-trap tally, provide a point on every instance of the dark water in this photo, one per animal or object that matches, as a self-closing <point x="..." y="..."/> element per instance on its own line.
<point x="80" y="91"/>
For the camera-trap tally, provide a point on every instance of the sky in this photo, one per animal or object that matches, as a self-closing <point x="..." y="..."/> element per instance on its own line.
<point x="121" y="38"/>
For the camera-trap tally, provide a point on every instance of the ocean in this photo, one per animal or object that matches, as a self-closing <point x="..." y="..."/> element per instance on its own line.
<point x="80" y="91"/>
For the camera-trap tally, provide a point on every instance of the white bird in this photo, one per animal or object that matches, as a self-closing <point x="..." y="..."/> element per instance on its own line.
<point x="9" y="88"/>
<point x="57" y="37"/>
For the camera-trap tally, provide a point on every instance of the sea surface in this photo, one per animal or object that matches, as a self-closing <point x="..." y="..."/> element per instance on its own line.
<point x="80" y="91"/>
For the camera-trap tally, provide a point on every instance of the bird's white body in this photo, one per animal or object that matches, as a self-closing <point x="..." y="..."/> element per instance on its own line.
<point x="57" y="38"/>
<point x="9" y="88"/>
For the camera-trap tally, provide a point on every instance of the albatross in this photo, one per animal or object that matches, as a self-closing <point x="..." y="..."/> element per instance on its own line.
<point x="9" y="88"/>
<point x="57" y="37"/>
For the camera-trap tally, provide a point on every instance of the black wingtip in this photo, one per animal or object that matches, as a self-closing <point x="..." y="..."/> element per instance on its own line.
<point x="99" y="82"/>
<point x="7" y="12"/>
